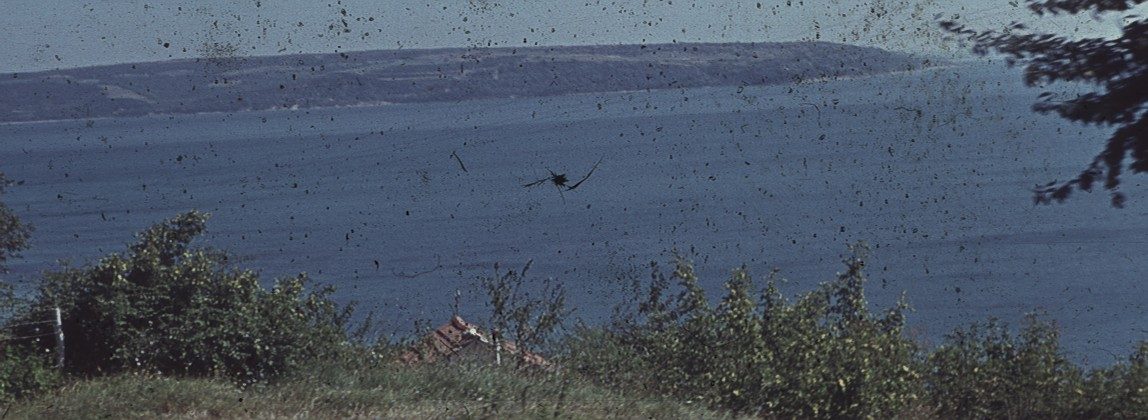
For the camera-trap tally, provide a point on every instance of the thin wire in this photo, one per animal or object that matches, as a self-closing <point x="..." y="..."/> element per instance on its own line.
<point x="27" y="336"/>
<point x="28" y="323"/>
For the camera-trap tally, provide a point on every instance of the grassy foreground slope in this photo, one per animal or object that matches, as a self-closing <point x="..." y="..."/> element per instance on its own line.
<point x="334" y="391"/>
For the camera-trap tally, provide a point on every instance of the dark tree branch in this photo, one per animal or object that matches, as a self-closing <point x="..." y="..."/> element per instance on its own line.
<point x="1118" y="67"/>
<point x="1076" y="6"/>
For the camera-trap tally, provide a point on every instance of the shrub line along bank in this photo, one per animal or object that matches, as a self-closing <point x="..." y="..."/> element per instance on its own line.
<point x="167" y="308"/>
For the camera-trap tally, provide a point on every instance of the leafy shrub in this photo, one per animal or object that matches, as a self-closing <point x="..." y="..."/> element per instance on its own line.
<point x="14" y="234"/>
<point x="824" y="355"/>
<point x="167" y="307"/>
<point x="24" y="373"/>
<point x="1119" y="391"/>
<point x="515" y="314"/>
<point x="983" y="371"/>
<point x="23" y="370"/>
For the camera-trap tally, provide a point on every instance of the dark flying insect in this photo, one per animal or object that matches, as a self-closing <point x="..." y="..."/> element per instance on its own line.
<point x="560" y="180"/>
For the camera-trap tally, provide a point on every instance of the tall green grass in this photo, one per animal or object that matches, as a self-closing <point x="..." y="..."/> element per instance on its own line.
<point x="337" y="390"/>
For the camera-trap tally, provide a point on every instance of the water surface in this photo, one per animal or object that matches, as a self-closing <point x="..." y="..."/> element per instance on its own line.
<point x="933" y="169"/>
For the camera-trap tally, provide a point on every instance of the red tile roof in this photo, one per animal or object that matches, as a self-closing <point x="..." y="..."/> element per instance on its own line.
<point x="457" y="335"/>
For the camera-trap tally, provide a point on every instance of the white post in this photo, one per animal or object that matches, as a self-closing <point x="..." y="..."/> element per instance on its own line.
<point x="59" y="339"/>
<point x="497" y="348"/>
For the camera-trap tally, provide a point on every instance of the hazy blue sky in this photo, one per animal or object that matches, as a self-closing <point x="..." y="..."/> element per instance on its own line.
<point x="46" y="34"/>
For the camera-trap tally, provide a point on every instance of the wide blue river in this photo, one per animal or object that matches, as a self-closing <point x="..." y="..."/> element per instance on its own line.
<point x="933" y="169"/>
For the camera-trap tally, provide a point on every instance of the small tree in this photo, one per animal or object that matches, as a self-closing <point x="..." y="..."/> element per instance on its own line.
<point x="985" y="371"/>
<point x="515" y="313"/>
<point x="14" y="234"/>
<point x="1118" y="67"/>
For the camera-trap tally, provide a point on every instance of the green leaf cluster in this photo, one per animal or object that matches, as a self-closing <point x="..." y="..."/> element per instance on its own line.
<point x="984" y="371"/>
<point x="826" y="355"/>
<point x="170" y="308"/>
<point x="14" y="234"/>
<point x="25" y="373"/>
<point x="755" y="352"/>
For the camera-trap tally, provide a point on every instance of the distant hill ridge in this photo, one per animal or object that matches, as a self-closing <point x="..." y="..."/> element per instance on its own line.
<point x="228" y="83"/>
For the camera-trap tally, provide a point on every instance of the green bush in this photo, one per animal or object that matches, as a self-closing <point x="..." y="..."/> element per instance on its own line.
<point x="1119" y="391"/>
<point x="14" y="234"/>
<point x="24" y="373"/>
<point x="983" y="371"/>
<point x="169" y="308"/>
<point x="516" y="314"/>
<point x="824" y="355"/>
